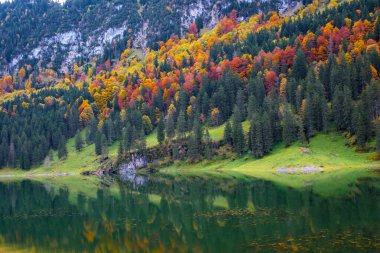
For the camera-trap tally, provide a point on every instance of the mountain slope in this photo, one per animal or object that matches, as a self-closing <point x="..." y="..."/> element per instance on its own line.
<point x="284" y="76"/>
<point x="56" y="36"/>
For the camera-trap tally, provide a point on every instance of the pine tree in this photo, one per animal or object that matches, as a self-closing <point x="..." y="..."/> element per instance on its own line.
<point x="267" y="133"/>
<point x="161" y="130"/>
<point x="208" y="145"/>
<point x="193" y="151"/>
<point x="12" y="155"/>
<point x="110" y="132"/>
<point x="359" y="124"/>
<point x="141" y="141"/>
<point x="300" y="65"/>
<point x="256" y="137"/>
<point x="228" y="134"/>
<point x="78" y="141"/>
<point x="128" y="141"/>
<point x="88" y="136"/>
<point x="104" y="145"/>
<point x="241" y="104"/>
<point x="197" y="132"/>
<point x="288" y="128"/>
<point x="237" y="132"/>
<point x="62" y="149"/>
<point x="181" y="124"/>
<point x="98" y="143"/>
<point x="252" y="106"/>
<point x="170" y="129"/>
<point x="93" y="130"/>
<point x="342" y="108"/>
<point x="301" y="131"/>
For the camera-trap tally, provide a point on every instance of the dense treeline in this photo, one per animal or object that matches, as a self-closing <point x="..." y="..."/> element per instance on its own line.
<point x="308" y="79"/>
<point x="39" y="123"/>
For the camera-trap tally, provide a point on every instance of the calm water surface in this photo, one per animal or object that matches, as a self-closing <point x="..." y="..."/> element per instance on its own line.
<point x="186" y="214"/>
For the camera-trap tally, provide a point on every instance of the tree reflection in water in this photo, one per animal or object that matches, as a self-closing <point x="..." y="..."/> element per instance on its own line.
<point x="188" y="214"/>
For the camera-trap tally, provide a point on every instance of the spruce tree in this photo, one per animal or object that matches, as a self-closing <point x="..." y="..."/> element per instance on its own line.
<point x="208" y="145"/>
<point x="170" y="128"/>
<point x="228" y="133"/>
<point x="237" y="132"/>
<point x="109" y="132"/>
<point x="128" y="137"/>
<point x="256" y="137"/>
<point x="104" y="145"/>
<point x="62" y="149"/>
<point x="193" y="151"/>
<point x="181" y="125"/>
<point x="161" y="130"/>
<point x="241" y="104"/>
<point x="93" y="130"/>
<point x="288" y="127"/>
<point x="300" y="65"/>
<point x="98" y="143"/>
<point x="78" y="141"/>
<point x="141" y="141"/>
<point x="267" y="133"/>
<point x="12" y="155"/>
<point x="88" y="136"/>
<point x="359" y="124"/>
<point x="197" y="132"/>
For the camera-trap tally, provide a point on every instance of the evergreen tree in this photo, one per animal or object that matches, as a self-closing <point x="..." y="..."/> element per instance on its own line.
<point x="237" y="132"/>
<point x="197" y="132"/>
<point x="241" y="104"/>
<point x="161" y="130"/>
<point x="62" y="149"/>
<point x="267" y="133"/>
<point x="256" y="137"/>
<point x="141" y="141"/>
<point x="88" y="136"/>
<point x="109" y="132"/>
<point x="128" y="138"/>
<point x="228" y="134"/>
<point x="98" y="143"/>
<point x="208" y="145"/>
<point x="181" y="124"/>
<point x="78" y="141"/>
<point x="170" y="128"/>
<point x="104" y="145"/>
<point x="359" y="124"/>
<point x="12" y="155"/>
<point x="288" y="127"/>
<point x="300" y="65"/>
<point x="342" y="108"/>
<point x="93" y="130"/>
<point x="193" y="151"/>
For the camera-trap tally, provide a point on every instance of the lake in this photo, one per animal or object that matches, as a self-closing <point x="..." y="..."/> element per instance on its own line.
<point x="165" y="213"/>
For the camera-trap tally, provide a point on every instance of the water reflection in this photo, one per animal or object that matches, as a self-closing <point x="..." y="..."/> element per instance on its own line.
<point x="187" y="214"/>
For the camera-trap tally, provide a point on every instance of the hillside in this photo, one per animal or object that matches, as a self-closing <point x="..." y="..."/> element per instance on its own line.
<point x="44" y="33"/>
<point x="261" y="82"/>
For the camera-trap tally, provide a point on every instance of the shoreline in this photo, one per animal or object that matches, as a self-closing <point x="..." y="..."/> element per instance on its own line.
<point x="58" y="174"/>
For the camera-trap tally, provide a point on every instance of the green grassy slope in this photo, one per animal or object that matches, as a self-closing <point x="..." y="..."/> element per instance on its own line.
<point x="341" y="165"/>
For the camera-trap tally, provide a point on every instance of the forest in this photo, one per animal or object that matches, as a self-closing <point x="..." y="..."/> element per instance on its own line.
<point x="289" y="77"/>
